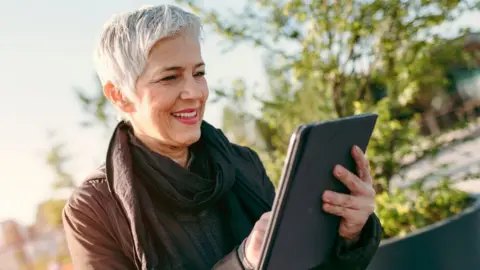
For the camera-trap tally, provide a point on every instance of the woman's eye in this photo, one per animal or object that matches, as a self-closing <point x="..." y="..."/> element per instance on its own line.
<point x="200" y="74"/>
<point x="169" y="78"/>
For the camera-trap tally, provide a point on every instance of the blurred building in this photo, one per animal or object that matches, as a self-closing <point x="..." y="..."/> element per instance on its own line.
<point x="23" y="247"/>
<point x="464" y="87"/>
<point x="12" y="237"/>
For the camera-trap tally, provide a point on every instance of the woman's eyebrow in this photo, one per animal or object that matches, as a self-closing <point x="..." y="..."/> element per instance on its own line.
<point x="179" y="68"/>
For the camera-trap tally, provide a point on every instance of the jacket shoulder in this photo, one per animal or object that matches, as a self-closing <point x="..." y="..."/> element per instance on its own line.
<point x="245" y="152"/>
<point x="97" y="237"/>
<point x="91" y="195"/>
<point x="248" y="157"/>
<point x="252" y="166"/>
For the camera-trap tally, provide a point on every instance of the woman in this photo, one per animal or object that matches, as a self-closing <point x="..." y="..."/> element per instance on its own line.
<point x="174" y="193"/>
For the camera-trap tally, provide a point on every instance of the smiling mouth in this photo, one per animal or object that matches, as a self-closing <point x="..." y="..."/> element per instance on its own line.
<point x="186" y="115"/>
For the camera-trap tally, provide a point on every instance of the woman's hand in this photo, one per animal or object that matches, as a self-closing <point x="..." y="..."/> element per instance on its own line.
<point x="356" y="207"/>
<point x="254" y="241"/>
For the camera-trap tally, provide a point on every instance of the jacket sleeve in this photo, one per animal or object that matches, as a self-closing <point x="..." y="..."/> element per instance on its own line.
<point x="355" y="257"/>
<point x="359" y="255"/>
<point x="89" y="240"/>
<point x="230" y="262"/>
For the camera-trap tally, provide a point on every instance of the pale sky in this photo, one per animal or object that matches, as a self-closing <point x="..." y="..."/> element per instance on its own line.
<point x="45" y="50"/>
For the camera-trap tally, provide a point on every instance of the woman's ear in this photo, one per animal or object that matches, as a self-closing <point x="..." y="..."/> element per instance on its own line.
<point x="116" y="97"/>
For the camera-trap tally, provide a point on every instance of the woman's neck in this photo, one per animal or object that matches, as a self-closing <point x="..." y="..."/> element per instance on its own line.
<point x="177" y="154"/>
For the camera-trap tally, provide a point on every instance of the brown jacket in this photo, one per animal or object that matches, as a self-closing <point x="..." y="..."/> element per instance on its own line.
<point x="97" y="229"/>
<point x="99" y="237"/>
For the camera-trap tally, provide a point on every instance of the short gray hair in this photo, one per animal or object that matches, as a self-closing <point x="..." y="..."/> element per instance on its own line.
<point x="127" y="39"/>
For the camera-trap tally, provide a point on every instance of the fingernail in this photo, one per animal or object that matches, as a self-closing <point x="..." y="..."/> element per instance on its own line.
<point x="339" y="170"/>
<point x="359" y="151"/>
<point x="327" y="196"/>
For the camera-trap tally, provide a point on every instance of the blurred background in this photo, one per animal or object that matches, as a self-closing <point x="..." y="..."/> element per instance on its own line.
<point x="271" y="65"/>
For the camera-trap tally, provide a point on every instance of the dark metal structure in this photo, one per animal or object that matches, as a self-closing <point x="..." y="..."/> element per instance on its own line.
<point x="453" y="244"/>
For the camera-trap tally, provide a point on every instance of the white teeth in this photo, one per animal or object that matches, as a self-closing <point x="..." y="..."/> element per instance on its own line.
<point x="185" y="115"/>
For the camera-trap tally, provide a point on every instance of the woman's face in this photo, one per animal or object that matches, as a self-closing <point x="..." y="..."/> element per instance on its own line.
<point x="171" y="92"/>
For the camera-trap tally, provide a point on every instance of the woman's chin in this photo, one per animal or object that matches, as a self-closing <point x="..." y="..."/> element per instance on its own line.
<point x="189" y="137"/>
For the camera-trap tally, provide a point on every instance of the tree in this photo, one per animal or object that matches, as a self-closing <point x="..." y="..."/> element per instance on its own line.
<point x="57" y="159"/>
<point x="50" y="212"/>
<point x="97" y="108"/>
<point x="325" y="59"/>
<point x="99" y="113"/>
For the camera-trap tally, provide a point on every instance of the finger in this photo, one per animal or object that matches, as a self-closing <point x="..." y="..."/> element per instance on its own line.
<point x="347" y="213"/>
<point x="345" y="200"/>
<point x="352" y="220"/>
<point x="351" y="181"/>
<point x="365" y="204"/>
<point x="255" y="240"/>
<point x="262" y="223"/>
<point x="363" y="167"/>
<point x="266" y="215"/>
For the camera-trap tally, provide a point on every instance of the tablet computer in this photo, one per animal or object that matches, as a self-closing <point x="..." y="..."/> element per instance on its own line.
<point x="300" y="234"/>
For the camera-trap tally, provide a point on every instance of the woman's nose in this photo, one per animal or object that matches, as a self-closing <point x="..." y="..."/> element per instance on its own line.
<point x="192" y="90"/>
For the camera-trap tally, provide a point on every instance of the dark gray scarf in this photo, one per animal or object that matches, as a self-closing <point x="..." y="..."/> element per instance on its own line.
<point x="213" y="179"/>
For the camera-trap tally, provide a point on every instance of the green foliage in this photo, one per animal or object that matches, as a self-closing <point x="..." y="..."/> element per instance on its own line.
<point x="98" y="112"/>
<point x="329" y="59"/>
<point x="403" y="211"/>
<point x="325" y="59"/>
<point x="51" y="210"/>
<point x="391" y="141"/>
<point x="57" y="159"/>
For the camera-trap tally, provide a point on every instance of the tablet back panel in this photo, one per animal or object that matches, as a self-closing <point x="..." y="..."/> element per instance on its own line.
<point x="301" y="234"/>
